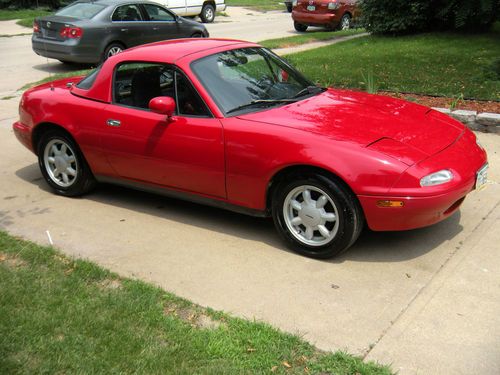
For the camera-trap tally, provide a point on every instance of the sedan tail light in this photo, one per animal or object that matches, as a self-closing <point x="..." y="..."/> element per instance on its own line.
<point x="36" y="27"/>
<point x="71" y="32"/>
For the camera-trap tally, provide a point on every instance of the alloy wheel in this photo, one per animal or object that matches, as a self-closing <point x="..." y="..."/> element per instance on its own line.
<point x="60" y="163"/>
<point x="310" y="215"/>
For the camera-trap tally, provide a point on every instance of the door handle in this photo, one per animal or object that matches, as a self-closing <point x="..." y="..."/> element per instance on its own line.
<point x="115" y="123"/>
<point x="123" y="29"/>
<point x="156" y="28"/>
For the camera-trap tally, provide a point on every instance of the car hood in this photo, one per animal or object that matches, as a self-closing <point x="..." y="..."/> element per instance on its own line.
<point x="365" y="119"/>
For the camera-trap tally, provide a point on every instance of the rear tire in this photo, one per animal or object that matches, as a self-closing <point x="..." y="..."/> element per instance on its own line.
<point x="207" y="14"/>
<point x="317" y="216"/>
<point x="63" y="165"/>
<point x="299" y="27"/>
<point x="112" y="49"/>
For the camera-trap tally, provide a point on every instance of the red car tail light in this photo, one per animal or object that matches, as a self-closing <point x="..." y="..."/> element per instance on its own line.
<point x="71" y="32"/>
<point x="36" y="27"/>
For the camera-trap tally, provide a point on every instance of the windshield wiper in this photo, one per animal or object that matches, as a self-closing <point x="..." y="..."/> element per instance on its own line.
<point x="261" y="102"/>
<point x="309" y="90"/>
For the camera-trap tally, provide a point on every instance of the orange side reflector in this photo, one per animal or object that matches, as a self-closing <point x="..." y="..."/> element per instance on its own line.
<point x="390" y="204"/>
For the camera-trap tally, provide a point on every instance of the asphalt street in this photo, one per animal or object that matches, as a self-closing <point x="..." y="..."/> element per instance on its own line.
<point x="426" y="301"/>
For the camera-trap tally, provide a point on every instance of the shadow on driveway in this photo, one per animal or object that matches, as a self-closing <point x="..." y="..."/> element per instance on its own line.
<point x="370" y="247"/>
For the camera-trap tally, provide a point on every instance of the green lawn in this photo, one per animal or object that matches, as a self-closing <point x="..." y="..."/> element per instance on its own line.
<point x="25" y="16"/>
<point x="59" y="315"/>
<point x="257" y="4"/>
<point x="433" y="64"/>
<point x="308" y="37"/>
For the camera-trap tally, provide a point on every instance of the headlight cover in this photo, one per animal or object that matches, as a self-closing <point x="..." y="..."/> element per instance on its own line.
<point x="436" y="178"/>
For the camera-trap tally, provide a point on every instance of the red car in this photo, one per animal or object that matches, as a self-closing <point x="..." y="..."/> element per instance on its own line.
<point x="332" y="14"/>
<point x="229" y="123"/>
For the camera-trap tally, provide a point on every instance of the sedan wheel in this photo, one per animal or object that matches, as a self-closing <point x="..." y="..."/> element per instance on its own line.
<point x="317" y="216"/>
<point x="112" y="49"/>
<point x="62" y="164"/>
<point x="345" y="22"/>
<point x="299" y="27"/>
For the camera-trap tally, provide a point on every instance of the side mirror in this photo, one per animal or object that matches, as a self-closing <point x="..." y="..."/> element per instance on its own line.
<point x="164" y="105"/>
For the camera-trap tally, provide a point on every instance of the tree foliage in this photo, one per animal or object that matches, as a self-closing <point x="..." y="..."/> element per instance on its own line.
<point x="411" y="16"/>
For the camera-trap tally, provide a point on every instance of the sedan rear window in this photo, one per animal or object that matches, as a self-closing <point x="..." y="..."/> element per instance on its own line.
<point x="81" y="10"/>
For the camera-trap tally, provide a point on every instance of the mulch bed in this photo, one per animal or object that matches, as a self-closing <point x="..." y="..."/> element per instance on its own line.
<point x="436" y="101"/>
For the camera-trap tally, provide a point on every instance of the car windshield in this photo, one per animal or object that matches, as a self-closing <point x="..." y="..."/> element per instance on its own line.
<point x="81" y="10"/>
<point x="250" y="79"/>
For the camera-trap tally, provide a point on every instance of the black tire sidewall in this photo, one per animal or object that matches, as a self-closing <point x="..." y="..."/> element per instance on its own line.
<point x="348" y="216"/>
<point x="300" y="27"/>
<point x="84" y="180"/>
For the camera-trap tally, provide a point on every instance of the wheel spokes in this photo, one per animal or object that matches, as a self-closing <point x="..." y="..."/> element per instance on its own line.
<point x="296" y="205"/>
<point x="321" y="202"/>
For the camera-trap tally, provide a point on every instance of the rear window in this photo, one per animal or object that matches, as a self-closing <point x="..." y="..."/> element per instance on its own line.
<point x="82" y="11"/>
<point x="88" y="81"/>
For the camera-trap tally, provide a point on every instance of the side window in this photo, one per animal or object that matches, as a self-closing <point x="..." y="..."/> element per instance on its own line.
<point x="157" y="13"/>
<point x="135" y="84"/>
<point x="189" y="102"/>
<point x="127" y="13"/>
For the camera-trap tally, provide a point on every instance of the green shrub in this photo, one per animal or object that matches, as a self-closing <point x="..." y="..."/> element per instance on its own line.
<point x="395" y="16"/>
<point x="412" y="16"/>
<point x="27" y="4"/>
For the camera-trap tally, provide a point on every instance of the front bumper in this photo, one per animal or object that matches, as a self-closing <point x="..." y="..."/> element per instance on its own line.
<point x="426" y="206"/>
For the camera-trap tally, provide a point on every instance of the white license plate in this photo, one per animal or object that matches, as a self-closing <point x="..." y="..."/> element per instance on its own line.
<point x="482" y="176"/>
<point x="311" y="8"/>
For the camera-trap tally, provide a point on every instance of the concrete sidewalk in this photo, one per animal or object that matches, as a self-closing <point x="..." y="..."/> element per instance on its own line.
<point x="11" y="28"/>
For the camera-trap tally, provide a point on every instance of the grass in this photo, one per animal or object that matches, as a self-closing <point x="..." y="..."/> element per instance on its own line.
<point x="59" y="315"/>
<point x="53" y="77"/>
<point x="262" y="5"/>
<point x="441" y="64"/>
<point x="25" y="16"/>
<point x="308" y="38"/>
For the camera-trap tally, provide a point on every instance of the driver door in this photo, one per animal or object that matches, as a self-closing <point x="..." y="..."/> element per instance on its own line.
<point x="186" y="152"/>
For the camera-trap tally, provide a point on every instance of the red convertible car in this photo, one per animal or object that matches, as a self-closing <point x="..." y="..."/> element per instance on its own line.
<point x="230" y="124"/>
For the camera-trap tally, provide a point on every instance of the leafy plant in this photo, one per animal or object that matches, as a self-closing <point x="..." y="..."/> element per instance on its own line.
<point x="369" y="82"/>
<point x="455" y="101"/>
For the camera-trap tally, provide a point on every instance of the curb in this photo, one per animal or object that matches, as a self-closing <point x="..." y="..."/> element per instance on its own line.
<point x="485" y="122"/>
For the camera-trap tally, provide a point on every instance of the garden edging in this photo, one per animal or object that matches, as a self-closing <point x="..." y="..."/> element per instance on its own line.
<point x="485" y="122"/>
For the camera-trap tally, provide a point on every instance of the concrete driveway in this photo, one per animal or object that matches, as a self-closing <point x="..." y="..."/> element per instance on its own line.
<point x="426" y="301"/>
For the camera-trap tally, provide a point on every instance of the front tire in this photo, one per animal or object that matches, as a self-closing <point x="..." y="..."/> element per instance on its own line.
<point x="63" y="165"/>
<point x="345" y="22"/>
<point x="299" y="27"/>
<point x="317" y="216"/>
<point x="207" y="14"/>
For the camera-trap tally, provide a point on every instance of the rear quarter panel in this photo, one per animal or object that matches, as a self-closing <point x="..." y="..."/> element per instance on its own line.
<point x="80" y="117"/>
